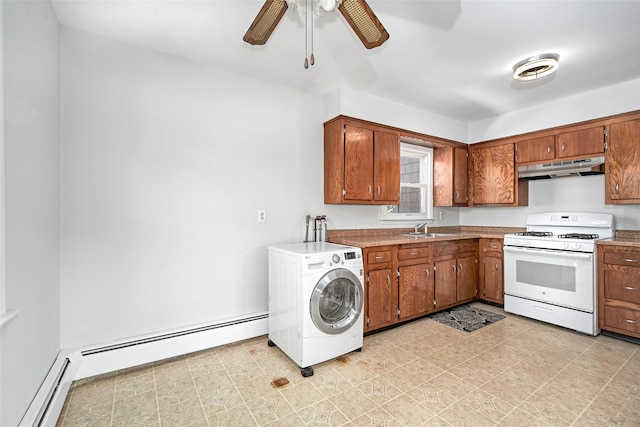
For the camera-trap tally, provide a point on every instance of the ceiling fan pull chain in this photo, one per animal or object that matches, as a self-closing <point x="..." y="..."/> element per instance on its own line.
<point x="306" y="43"/>
<point x="312" y="13"/>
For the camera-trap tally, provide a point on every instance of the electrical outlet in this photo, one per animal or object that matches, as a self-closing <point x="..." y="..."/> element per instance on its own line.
<point x="441" y="214"/>
<point x="262" y="216"/>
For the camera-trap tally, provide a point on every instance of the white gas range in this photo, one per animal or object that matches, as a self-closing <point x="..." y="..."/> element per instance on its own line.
<point x="550" y="270"/>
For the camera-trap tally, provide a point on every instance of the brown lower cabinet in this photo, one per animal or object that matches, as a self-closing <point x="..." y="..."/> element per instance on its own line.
<point x="407" y="281"/>
<point x="456" y="272"/>
<point x="491" y="274"/>
<point x="381" y="287"/>
<point x="619" y="289"/>
<point x="415" y="281"/>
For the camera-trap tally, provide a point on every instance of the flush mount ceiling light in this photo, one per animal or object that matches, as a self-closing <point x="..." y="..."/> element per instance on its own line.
<point x="536" y="67"/>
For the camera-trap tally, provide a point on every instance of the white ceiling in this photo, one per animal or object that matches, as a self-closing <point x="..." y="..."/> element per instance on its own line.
<point x="453" y="57"/>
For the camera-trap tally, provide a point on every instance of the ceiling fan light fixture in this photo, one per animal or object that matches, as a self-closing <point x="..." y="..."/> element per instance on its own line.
<point x="327" y="5"/>
<point x="536" y="67"/>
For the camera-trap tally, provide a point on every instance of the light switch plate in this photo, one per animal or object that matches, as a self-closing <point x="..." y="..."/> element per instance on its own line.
<point x="262" y="216"/>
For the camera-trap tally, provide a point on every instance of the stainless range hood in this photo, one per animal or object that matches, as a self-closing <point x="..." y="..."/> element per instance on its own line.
<point x="591" y="166"/>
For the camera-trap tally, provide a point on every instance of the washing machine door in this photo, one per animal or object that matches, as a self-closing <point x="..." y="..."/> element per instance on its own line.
<point x="336" y="301"/>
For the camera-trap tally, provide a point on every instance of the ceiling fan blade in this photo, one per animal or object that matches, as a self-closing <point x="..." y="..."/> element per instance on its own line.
<point x="265" y="22"/>
<point x="364" y="22"/>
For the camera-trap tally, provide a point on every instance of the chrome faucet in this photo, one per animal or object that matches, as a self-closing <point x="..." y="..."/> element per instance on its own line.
<point x="417" y="228"/>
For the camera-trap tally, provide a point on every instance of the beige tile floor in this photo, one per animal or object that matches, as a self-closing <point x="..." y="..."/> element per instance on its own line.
<point x="516" y="372"/>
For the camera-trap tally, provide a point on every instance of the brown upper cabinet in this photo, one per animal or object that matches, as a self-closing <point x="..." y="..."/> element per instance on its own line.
<point x="584" y="142"/>
<point x="536" y="149"/>
<point x="622" y="182"/>
<point x="494" y="179"/>
<point x="560" y="146"/>
<point x="361" y="163"/>
<point x="450" y="177"/>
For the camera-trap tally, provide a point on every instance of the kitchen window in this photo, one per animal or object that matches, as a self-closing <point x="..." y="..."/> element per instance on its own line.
<point x="416" y="186"/>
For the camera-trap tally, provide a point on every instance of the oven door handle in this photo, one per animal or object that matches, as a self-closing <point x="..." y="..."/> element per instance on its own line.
<point x="563" y="254"/>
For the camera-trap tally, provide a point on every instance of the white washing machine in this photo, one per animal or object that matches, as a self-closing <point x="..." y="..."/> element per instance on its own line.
<point x="316" y="297"/>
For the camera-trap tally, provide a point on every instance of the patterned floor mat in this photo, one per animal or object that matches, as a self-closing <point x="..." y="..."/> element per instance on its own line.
<point x="466" y="317"/>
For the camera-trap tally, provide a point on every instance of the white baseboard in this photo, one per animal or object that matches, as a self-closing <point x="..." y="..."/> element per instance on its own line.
<point x="72" y="365"/>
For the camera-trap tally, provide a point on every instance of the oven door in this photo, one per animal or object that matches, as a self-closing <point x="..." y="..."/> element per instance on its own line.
<point x="556" y="277"/>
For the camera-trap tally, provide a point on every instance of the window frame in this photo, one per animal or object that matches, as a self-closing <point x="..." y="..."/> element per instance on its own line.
<point x="426" y="153"/>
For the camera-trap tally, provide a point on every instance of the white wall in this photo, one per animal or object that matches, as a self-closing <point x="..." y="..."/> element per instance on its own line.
<point x="30" y="342"/>
<point x="362" y="105"/>
<point x="603" y="102"/>
<point x="164" y="164"/>
<point x="580" y="194"/>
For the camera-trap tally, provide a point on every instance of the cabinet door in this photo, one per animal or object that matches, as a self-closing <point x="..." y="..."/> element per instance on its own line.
<point x="460" y="177"/>
<point x="450" y="177"/>
<point x="445" y="292"/>
<point x="492" y="279"/>
<point x="581" y="142"/>
<point x="536" y="149"/>
<point x="622" y="179"/>
<point x="443" y="176"/>
<point x="416" y="290"/>
<point x="381" y="302"/>
<point x="494" y="179"/>
<point x="386" y="168"/>
<point x="358" y="163"/>
<point x="467" y="279"/>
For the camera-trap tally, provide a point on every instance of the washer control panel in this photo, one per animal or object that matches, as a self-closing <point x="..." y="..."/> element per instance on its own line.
<point x="348" y="258"/>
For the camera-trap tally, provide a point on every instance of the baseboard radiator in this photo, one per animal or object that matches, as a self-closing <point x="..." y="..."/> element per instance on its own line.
<point x="75" y="365"/>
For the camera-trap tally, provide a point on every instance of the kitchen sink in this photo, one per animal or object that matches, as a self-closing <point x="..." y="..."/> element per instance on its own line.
<point x="427" y="235"/>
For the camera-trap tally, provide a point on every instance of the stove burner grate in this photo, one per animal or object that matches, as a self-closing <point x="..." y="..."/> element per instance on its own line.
<point x="578" y="236"/>
<point x="535" y="233"/>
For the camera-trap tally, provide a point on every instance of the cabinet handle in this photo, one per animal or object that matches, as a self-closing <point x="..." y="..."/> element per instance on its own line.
<point x="388" y="280"/>
<point x="379" y="257"/>
<point x="630" y="260"/>
<point x="562" y="146"/>
<point x="497" y="266"/>
<point x="629" y="288"/>
<point x="414" y="253"/>
<point x="509" y="195"/>
<point x="427" y="270"/>
<point x="617" y="187"/>
<point x="493" y="247"/>
<point x="630" y="321"/>
<point x="548" y="148"/>
<point x="369" y="188"/>
<point x="454" y="268"/>
<point x="457" y="195"/>
<point x="378" y="189"/>
<point x="460" y="271"/>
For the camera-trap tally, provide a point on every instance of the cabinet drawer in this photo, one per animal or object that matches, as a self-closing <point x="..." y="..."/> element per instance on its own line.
<point x="622" y="286"/>
<point x="622" y="318"/>
<point x="455" y="248"/>
<point x="412" y="253"/>
<point x="378" y="256"/>
<point x="622" y="258"/>
<point x="491" y="245"/>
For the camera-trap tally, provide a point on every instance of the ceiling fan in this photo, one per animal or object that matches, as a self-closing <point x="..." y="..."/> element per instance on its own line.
<point x="357" y="13"/>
